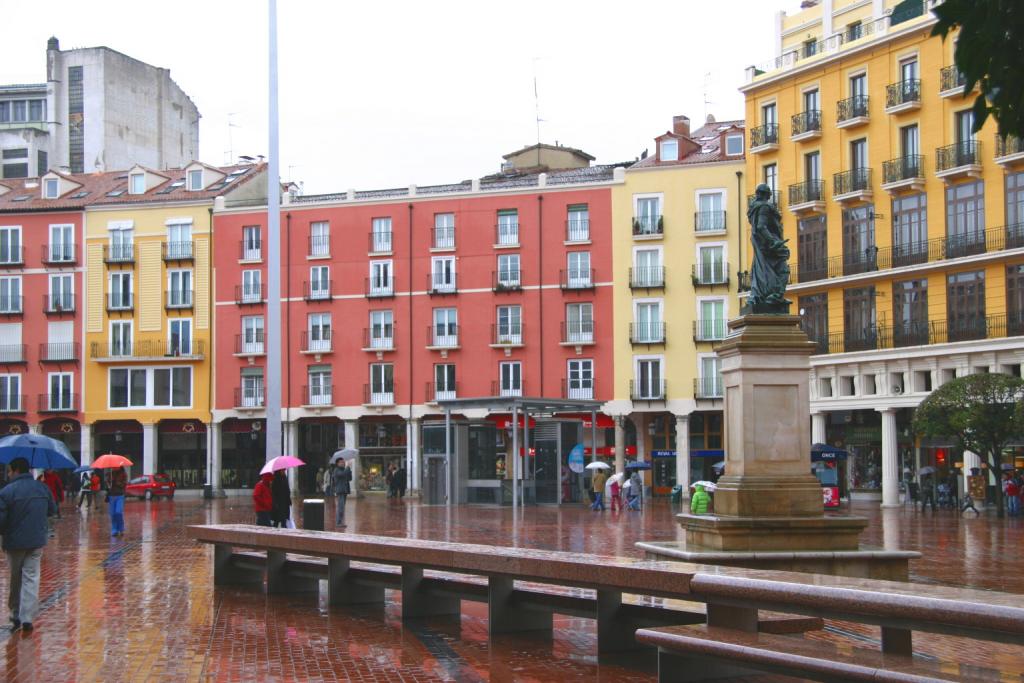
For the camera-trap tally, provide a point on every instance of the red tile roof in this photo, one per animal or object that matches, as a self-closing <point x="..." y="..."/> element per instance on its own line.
<point x="708" y="137"/>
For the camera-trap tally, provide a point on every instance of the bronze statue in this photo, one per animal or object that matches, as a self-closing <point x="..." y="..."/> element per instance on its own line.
<point x="770" y="273"/>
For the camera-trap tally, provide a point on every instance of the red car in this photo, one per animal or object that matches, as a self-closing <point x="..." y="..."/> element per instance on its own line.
<point x="150" y="486"/>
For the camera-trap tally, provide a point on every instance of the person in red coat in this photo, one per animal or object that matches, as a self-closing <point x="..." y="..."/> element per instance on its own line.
<point x="263" y="499"/>
<point x="56" y="487"/>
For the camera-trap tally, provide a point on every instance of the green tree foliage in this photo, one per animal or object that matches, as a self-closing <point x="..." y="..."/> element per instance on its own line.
<point x="990" y="54"/>
<point x="984" y="413"/>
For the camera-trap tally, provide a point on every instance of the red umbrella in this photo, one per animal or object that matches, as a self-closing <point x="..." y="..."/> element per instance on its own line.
<point x="109" y="461"/>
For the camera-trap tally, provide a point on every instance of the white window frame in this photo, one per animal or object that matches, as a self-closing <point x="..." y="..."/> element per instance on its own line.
<point x="250" y="252"/>
<point x="59" y="250"/>
<point x="648" y="277"/>
<point x="511" y="390"/>
<point x="63" y="300"/>
<point x="10" y="402"/>
<point x="319" y="325"/>
<point x="707" y="329"/>
<point x="637" y="360"/>
<point x="710" y="192"/>
<point x="510" y="277"/>
<point x="13" y="246"/>
<point x="252" y="285"/>
<point x="319" y="391"/>
<point x="11" y="302"/>
<point x="383" y="396"/>
<point x="637" y="198"/>
<point x="381" y="235"/>
<point x="671" y="146"/>
<point x="151" y="387"/>
<point x="444" y="328"/>
<point x="320" y="239"/>
<point x="716" y="386"/>
<point x="382" y="285"/>
<point x="51" y="188"/>
<point x="253" y="334"/>
<point x="382" y="329"/>
<point x="65" y="401"/>
<point x="444" y="230"/>
<point x="179" y="239"/>
<point x="180" y="296"/>
<point x="732" y="137"/>
<point x="579" y="331"/>
<point x="134" y="178"/>
<point x="578" y="276"/>
<point x="124" y="348"/>
<point x="582" y="391"/>
<point x="717" y="277"/>
<point x="508" y="231"/>
<point x="121" y="240"/>
<point x="513" y="330"/>
<point x="179" y="323"/>
<point x="449" y="390"/>
<point x="578" y="225"/>
<point x="648" y="337"/>
<point x="194" y="186"/>
<point x="319" y="287"/>
<point x="771" y="104"/>
<point x="130" y="370"/>
<point x="442" y="274"/>
<point x="253" y="390"/>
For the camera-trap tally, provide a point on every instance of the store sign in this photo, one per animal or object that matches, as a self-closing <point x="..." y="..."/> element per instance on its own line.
<point x="663" y="454"/>
<point x="610" y="450"/>
<point x="576" y="459"/>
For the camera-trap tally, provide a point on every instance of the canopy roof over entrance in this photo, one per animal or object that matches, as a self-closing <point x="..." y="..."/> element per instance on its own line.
<point x="531" y="405"/>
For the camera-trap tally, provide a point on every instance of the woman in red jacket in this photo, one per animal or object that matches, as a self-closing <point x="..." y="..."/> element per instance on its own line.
<point x="263" y="500"/>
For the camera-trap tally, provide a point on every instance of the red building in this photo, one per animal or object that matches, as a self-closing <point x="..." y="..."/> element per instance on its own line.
<point x="392" y="299"/>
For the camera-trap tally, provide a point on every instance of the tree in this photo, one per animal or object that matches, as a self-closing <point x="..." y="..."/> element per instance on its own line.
<point x="983" y="413"/>
<point x="990" y="54"/>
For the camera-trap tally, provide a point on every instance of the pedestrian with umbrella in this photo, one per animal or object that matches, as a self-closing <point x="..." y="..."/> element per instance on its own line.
<point x="116" y="488"/>
<point x="597" y="482"/>
<point x="25" y="506"/>
<point x="341" y="487"/>
<point x="280" y="492"/>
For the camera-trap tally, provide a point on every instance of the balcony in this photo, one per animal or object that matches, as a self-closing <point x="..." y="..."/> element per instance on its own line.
<point x="440" y="392"/>
<point x="1015" y="323"/>
<point x="743" y="281"/>
<point x="318" y="396"/>
<point x="577" y="231"/>
<point x="807" y="197"/>
<point x="708" y="388"/>
<point x="648" y="390"/>
<point x="249" y="295"/>
<point x="914" y="333"/>
<point x="811" y="271"/>
<point x="646" y="333"/>
<point x="59" y="254"/>
<point x="251" y="344"/>
<point x="903" y="96"/>
<point x="959" y="160"/>
<point x="250" y="398"/>
<point x="968" y="328"/>
<point x="579" y="389"/>
<point x="951" y="82"/>
<point x="852" y="186"/>
<point x="856" y="262"/>
<point x="58" y="352"/>
<point x="379" y="394"/>
<point x="849" y="341"/>
<point x="647" y="277"/>
<point x="507" y="280"/>
<point x="903" y="173"/>
<point x="12" y="354"/>
<point x="58" y="403"/>
<point x="380" y="287"/>
<point x="576" y="278"/>
<point x="966" y="244"/>
<point x="710" y="274"/>
<point x="250" y="252"/>
<point x="648" y="227"/>
<point x="319" y="247"/>
<point x="852" y="112"/>
<point x="177" y="251"/>
<point x="178" y="299"/>
<point x="443" y="238"/>
<point x="507" y="335"/>
<point x="441" y="284"/>
<point x="147" y="349"/>
<point x="712" y="330"/>
<point x="506" y="235"/>
<point x="380" y="338"/>
<point x="118" y="254"/>
<point x="764" y="138"/>
<point x="58" y="304"/>
<point x="577" y="332"/>
<point x="12" y="403"/>
<point x="442" y="337"/>
<point x="510" y="389"/>
<point x="11" y="256"/>
<point x="705" y="222"/>
<point x="11" y="305"/>
<point x="316" y="344"/>
<point x="806" y="125"/>
<point x="379" y="243"/>
<point x="318" y="290"/>
<point x="1009" y="150"/>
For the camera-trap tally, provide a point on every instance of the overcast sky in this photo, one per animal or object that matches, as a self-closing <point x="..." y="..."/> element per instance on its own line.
<point x="384" y="94"/>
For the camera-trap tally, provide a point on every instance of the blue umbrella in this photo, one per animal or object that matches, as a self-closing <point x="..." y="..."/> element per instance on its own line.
<point x="42" y="452"/>
<point x="638" y="466"/>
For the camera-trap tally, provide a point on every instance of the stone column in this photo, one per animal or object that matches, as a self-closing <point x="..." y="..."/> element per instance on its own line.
<point x="86" y="447"/>
<point x="890" y="464"/>
<point x="35" y="428"/>
<point x="149" y="449"/>
<point x="413" y="456"/>
<point x="216" y="456"/>
<point x="291" y="445"/>
<point x="620" y="443"/>
<point x="818" y="427"/>
<point x="352" y="441"/>
<point x="683" y="454"/>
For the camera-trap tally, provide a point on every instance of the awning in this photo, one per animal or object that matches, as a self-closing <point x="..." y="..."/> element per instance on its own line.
<point x="503" y="421"/>
<point x="603" y="421"/>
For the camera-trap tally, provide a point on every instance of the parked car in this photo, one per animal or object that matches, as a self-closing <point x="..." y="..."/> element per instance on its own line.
<point x="150" y="486"/>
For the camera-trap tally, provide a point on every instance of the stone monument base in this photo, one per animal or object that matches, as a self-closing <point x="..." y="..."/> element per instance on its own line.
<point x="776" y="533"/>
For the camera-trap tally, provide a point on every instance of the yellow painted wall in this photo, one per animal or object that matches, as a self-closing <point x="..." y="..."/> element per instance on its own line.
<point x="150" y="318"/>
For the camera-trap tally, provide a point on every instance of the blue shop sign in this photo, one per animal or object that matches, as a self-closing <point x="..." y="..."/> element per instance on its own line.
<point x="663" y="454"/>
<point x="708" y="453"/>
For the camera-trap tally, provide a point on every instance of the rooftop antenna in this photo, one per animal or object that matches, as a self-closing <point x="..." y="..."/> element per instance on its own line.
<point x="536" y="106"/>
<point x="707" y="93"/>
<point x="231" y="144"/>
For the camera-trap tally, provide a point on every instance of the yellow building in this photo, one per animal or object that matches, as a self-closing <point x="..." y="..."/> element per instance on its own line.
<point x="676" y="242"/>
<point x="149" y="316"/>
<point x="905" y="227"/>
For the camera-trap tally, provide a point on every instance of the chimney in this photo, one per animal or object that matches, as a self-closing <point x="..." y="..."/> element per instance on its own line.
<point x="53" y="44"/>
<point x="681" y="125"/>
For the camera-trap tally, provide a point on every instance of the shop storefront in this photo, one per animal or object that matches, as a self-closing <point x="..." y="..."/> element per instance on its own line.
<point x="181" y="452"/>
<point x="243" y="452"/>
<point x="707" y="446"/>
<point x="381" y="443"/>
<point x="123" y="437"/>
<point x="318" y="439"/>
<point x="662" y="431"/>
<point x="859" y="432"/>
<point x="68" y="432"/>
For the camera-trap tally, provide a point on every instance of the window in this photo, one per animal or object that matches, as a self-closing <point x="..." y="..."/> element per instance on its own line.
<point x="1015" y="299"/>
<point x="711" y="265"/>
<point x="320" y="239"/>
<point x="121" y="244"/>
<point x="647" y="270"/>
<point x="382" y="383"/>
<point x="508" y="227"/>
<point x="579" y="321"/>
<point x="10" y="245"/>
<point x="647" y="324"/>
<point x="60" y="396"/>
<point x="62" y="297"/>
<point x="136" y="183"/>
<point x="648" y="384"/>
<point x="769" y="114"/>
<point x="812" y="248"/>
<point x="910" y="312"/>
<point x="510" y="325"/>
<point x="812" y="101"/>
<point x="60" y="345"/>
<point x="51" y="188"/>
<point x="442" y="274"/>
<point x="733" y="145"/>
<point x="859" y="156"/>
<point x="909" y="229"/>
<point x="252" y="334"/>
<point x="810" y="48"/>
<point x="320" y="282"/>
<point x="5" y="112"/>
<point x="860" y="332"/>
<point x="121" y="338"/>
<point x="812" y="166"/>
<point x="710" y="212"/>
<point x="318" y="327"/>
<point x="580" y="376"/>
<point x="771" y="177"/>
<point x="320" y="387"/>
<point x="965" y="303"/>
<point x="380" y="235"/>
<point x="179" y="288"/>
<point x="965" y="219"/>
<point x="669" y="150"/>
<point x="854" y="31"/>
<point x="910" y="144"/>
<point x="445" y="330"/>
<point x="508" y="271"/>
<point x="814" y="319"/>
<point x="859" y="250"/>
<point x="382" y="330"/>
<point x="179" y="241"/>
<point x="964" y="126"/>
<point x="908" y="70"/>
<point x="444" y="381"/>
<point x="648" y="216"/>
<point x="10" y="294"/>
<point x="195" y="179"/>
<point x="180" y="342"/>
<point x="858" y="95"/>
<point x="172" y="387"/>
<point x="127" y="387"/>
<point x="511" y="377"/>
<point x="578" y="223"/>
<point x="251" y="394"/>
<point x="579" y="275"/>
<point x="711" y="319"/>
<point x="381" y="283"/>
<point x="252" y="246"/>
<point x="10" y="394"/>
<point x="444" y="231"/>
<point x="42" y="162"/>
<point x="710" y="378"/>
<point x="252" y="287"/>
<point x="62" y="243"/>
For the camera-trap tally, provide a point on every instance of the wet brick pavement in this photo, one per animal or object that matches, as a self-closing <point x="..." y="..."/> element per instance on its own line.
<point x="143" y="607"/>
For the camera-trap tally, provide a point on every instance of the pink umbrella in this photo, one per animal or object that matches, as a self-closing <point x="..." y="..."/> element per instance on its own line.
<point x="281" y="462"/>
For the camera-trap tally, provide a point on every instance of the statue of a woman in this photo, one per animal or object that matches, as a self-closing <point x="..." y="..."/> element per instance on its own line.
<point x="770" y="273"/>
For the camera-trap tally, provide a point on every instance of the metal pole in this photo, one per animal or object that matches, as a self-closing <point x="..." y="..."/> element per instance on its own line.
<point x="447" y="455"/>
<point x="526" y="466"/>
<point x="515" y="458"/>
<point x="273" y="378"/>
<point x="593" y="436"/>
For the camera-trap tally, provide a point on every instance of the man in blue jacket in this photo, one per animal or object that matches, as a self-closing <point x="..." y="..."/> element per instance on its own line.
<point x="24" y="506"/>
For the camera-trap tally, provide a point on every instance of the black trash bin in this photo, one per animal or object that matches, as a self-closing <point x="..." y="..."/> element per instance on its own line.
<point x="313" y="514"/>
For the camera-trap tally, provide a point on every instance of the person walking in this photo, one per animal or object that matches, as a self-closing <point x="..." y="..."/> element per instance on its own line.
<point x="282" y="500"/>
<point x="401" y="481"/>
<point x="597" y="483"/>
<point x="319" y="483"/>
<point x="615" y="492"/>
<point x="85" y="492"/>
<point x="927" y="493"/>
<point x="115" y="494"/>
<point x="25" y="506"/>
<point x="263" y="500"/>
<point x="341" y="486"/>
<point x="389" y="479"/>
<point x="56" y="486"/>
<point x="700" y="501"/>
<point x="1012" y="492"/>
<point x="634" y="491"/>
